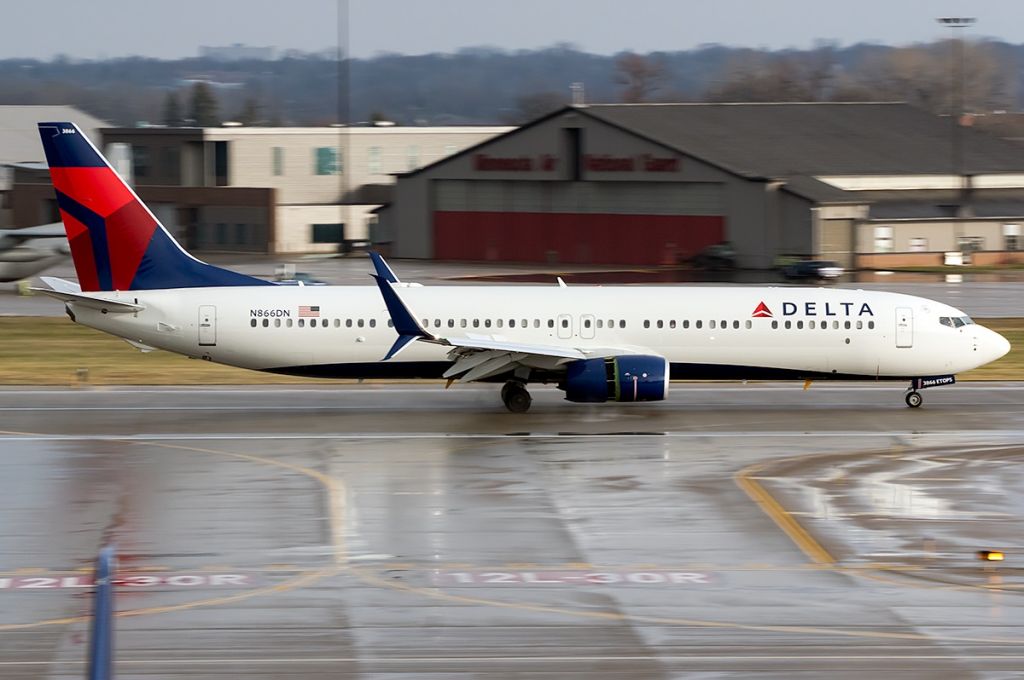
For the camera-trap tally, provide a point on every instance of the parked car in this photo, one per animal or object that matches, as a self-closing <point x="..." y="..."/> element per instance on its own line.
<point x="813" y="269"/>
<point x="719" y="257"/>
<point x="300" y="279"/>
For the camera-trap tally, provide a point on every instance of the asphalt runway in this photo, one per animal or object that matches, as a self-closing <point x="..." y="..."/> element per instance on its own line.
<point x="411" y="532"/>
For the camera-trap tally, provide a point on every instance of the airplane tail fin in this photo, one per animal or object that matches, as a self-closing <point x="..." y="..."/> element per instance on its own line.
<point x="116" y="242"/>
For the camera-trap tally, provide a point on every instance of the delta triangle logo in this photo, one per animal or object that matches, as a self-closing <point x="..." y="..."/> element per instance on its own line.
<point x="762" y="311"/>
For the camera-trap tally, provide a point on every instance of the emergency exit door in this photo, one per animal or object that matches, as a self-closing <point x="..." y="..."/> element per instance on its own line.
<point x="207" y="325"/>
<point x="904" y="327"/>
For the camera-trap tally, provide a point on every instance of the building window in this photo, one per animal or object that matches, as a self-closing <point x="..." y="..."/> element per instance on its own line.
<point x="1011" y="237"/>
<point x="170" y="164"/>
<point x="918" y="245"/>
<point x="328" y="233"/>
<point x="373" y="160"/>
<point x="413" y="157"/>
<point x="277" y="160"/>
<point x="140" y="161"/>
<point x="883" y="240"/>
<point x="241" y="234"/>
<point x="325" y="160"/>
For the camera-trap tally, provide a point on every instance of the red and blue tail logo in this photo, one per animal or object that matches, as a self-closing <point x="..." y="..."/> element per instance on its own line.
<point x="116" y="242"/>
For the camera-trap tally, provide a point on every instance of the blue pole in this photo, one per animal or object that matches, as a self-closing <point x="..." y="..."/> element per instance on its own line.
<point x="101" y="639"/>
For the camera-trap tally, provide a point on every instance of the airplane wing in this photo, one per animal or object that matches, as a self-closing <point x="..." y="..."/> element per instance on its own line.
<point x="72" y="292"/>
<point x="477" y="357"/>
<point x="12" y="237"/>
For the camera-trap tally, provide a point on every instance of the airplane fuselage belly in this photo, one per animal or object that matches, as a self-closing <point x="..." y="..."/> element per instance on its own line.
<point x="727" y="332"/>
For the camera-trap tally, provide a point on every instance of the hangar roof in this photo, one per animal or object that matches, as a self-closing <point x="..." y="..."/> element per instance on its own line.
<point x="19" y="137"/>
<point x="778" y="140"/>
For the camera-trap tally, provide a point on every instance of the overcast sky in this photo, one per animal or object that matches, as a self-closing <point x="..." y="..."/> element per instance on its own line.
<point x="171" y="29"/>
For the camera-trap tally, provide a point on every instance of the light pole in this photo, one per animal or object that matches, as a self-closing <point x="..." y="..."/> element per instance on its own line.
<point x="956" y="106"/>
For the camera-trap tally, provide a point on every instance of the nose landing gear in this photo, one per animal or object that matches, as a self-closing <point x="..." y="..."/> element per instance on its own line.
<point x="515" y="396"/>
<point x="914" y="398"/>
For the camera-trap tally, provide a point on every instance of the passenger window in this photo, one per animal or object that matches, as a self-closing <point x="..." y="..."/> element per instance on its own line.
<point x="451" y="323"/>
<point x="252" y="322"/>
<point x="487" y="323"/>
<point x="835" y="325"/>
<point x="735" y="324"/>
<point x="600" y="323"/>
<point x="725" y="324"/>
<point x="749" y="324"/>
<point x="359" y="322"/>
<point x="536" y="323"/>
<point x="622" y="323"/>
<point x="337" y="323"/>
<point x="476" y="323"/>
<point x="391" y="324"/>
<point x="661" y="324"/>
<point x="871" y="324"/>
<point x="302" y="323"/>
<point x="437" y="323"/>
<point x="462" y="323"/>
<point x="672" y="323"/>
<point x="348" y="323"/>
<point x="289" y="322"/>
<point x="860" y="325"/>
<point x="511" y="323"/>
<point x="846" y="325"/>
<point x="373" y="323"/>
<point x="426" y="323"/>
<point x="699" y="324"/>
<point x="551" y="323"/>
<point x="800" y="324"/>
<point x="711" y="324"/>
<point x="686" y="323"/>
<point x="565" y="323"/>
<point x="611" y="323"/>
<point x="775" y="324"/>
<point x="277" y="323"/>
<point x="789" y="324"/>
<point x="810" y="324"/>
<point x="586" y="323"/>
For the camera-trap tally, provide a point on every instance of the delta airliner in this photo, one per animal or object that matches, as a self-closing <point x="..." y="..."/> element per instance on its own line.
<point x="596" y="343"/>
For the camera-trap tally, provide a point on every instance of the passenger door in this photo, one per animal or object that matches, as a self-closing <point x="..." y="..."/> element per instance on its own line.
<point x="904" y="327"/>
<point x="207" y="326"/>
<point x="587" y="326"/>
<point x="564" y="324"/>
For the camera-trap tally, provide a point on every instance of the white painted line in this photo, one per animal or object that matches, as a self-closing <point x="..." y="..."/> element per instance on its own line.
<point x="348" y="436"/>
<point x="532" y="659"/>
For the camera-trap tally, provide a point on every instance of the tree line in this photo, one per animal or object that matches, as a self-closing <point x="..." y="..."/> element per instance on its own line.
<point x="490" y="86"/>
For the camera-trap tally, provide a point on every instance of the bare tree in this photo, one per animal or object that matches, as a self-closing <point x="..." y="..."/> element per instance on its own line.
<point x="640" y="76"/>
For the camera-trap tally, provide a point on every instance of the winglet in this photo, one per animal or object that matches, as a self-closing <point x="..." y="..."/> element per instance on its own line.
<point x="406" y="325"/>
<point x="383" y="269"/>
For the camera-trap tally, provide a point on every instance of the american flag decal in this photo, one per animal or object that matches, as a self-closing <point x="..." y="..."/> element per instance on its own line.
<point x="306" y="311"/>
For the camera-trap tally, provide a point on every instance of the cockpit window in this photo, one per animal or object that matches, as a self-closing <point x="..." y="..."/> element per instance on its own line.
<point x="955" y="321"/>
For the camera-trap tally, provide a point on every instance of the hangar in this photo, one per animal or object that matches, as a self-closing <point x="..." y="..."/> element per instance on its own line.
<point x="644" y="184"/>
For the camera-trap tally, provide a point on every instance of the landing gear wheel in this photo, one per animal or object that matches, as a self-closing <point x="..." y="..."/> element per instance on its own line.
<point x="515" y="396"/>
<point x="914" y="399"/>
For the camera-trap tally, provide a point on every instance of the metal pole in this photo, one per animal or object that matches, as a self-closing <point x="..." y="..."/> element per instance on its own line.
<point x="101" y="638"/>
<point x="344" y="162"/>
<point x="956" y="106"/>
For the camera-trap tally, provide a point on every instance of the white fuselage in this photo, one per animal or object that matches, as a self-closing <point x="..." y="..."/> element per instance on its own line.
<point x="702" y="331"/>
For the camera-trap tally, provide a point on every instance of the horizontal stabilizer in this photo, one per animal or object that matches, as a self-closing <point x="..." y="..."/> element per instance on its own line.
<point x="69" y="292"/>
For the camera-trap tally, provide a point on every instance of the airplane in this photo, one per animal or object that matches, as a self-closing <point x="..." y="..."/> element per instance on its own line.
<point x="26" y="252"/>
<point x="597" y="343"/>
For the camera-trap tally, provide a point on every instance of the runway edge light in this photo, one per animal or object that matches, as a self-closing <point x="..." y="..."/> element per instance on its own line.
<point x="991" y="555"/>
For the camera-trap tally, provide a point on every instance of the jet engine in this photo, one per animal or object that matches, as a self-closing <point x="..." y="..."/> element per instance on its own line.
<point x="625" y="378"/>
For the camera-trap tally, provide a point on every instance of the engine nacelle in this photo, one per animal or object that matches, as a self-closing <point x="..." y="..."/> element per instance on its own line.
<point x="626" y="378"/>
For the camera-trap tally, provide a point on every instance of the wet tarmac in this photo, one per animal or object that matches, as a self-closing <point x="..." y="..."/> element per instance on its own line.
<point x="410" y="532"/>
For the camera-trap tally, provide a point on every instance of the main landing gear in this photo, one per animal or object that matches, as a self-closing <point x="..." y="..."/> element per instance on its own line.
<point x="515" y="396"/>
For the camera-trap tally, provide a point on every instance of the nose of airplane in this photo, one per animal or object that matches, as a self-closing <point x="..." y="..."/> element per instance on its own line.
<point x="992" y="345"/>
